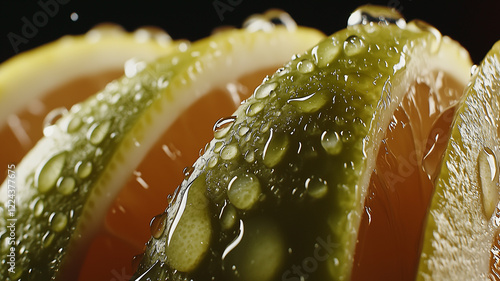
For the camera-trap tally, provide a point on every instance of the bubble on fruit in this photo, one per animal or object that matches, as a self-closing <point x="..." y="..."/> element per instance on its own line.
<point x="309" y="103"/>
<point x="254" y="108"/>
<point x="47" y="239"/>
<point x="134" y="66"/>
<point x="83" y="169"/>
<point x="98" y="132"/>
<point x="331" y="142"/>
<point x="243" y="191"/>
<point x="368" y="14"/>
<point x="275" y="149"/>
<point x="47" y="174"/>
<point x="488" y="180"/>
<point x="229" y="152"/>
<point x="228" y="217"/>
<point x="38" y="207"/>
<point x="325" y="52"/>
<point x="264" y="90"/>
<point x="267" y="21"/>
<point x="222" y="126"/>
<point x="66" y="185"/>
<point x="305" y="66"/>
<point x="157" y="225"/>
<point x="54" y="115"/>
<point x="316" y="187"/>
<point x="58" y="221"/>
<point x="354" y="45"/>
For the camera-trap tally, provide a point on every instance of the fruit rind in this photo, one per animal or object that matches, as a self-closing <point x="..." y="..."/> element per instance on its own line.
<point x="461" y="228"/>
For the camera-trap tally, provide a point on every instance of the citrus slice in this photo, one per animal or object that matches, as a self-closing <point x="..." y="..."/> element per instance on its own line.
<point x="284" y="190"/>
<point x="66" y="184"/>
<point x="462" y="233"/>
<point x="47" y="80"/>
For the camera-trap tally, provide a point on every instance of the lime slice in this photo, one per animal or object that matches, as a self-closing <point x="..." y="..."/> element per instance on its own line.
<point x="462" y="233"/>
<point x="281" y="189"/>
<point x="38" y="85"/>
<point x="66" y="183"/>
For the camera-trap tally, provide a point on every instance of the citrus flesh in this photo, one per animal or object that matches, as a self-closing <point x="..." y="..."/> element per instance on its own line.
<point x="37" y="86"/>
<point x="461" y="239"/>
<point x="69" y="180"/>
<point x="280" y="191"/>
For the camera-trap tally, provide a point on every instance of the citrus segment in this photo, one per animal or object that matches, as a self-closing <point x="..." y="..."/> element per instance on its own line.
<point x="67" y="182"/>
<point x="38" y="86"/>
<point x="461" y="235"/>
<point x="308" y="138"/>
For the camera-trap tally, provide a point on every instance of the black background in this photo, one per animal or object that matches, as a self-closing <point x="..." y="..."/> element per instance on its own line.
<point x="475" y="24"/>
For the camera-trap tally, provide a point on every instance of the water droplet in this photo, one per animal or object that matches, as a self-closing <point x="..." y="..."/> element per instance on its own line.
<point x="218" y="146"/>
<point x="157" y="225"/>
<point x="369" y="14"/>
<point x="74" y="124"/>
<point x="305" y="66"/>
<point x="134" y="66"/>
<point x="187" y="171"/>
<point x="264" y="90"/>
<point x="228" y="217"/>
<point x="243" y="191"/>
<point x="66" y="185"/>
<point x="229" y="152"/>
<point x="269" y="20"/>
<point x="47" y="239"/>
<point x="310" y="103"/>
<point x="254" y="108"/>
<point x="47" y="174"/>
<point x="354" y="45"/>
<point x="54" y="115"/>
<point x="243" y="131"/>
<point x="488" y="180"/>
<point x="316" y="187"/>
<point x="473" y="70"/>
<point x="325" y="52"/>
<point x="330" y="141"/>
<point x="98" y="132"/>
<point x="38" y="207"/>
<point x="222" y="126"/>
<point x="275" y="149"/>
<point x="212" y="161"/>
<point x="249" y="156"/>
<point x="58" y="221"/>
<point x="83" y="169"/>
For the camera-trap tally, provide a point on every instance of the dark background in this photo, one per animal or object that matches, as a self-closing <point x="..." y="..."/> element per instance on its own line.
<point x="473" y="23"/>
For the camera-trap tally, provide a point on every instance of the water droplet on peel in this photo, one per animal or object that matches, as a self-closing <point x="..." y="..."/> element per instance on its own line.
<point x="212" y="161"/>
<point x="58" y="221"/>
<point x="47" y="174"/>
<point x="330" y="141"/>
<point x="243" y="191"/>
<point x="243" y="131"/>
<point x="47" y="239"/>
<point x="187" y="171"/>
<point x="325" y="52"/>
<point x="310" y="103"/>
<point x="157" y="225"/>
<point x="134" y="66"/>
<point x="473" y="70"/>
<point x="369" y="14"/>
<point x="269" y="20"/>
<point x="264" y="90"/>
<point x="488" y="180"/>
<point x="98" y="132"/>
<point x="38" y="207"/>
<point x="74" y="124"/>
<point x="83" y="169"/>
<point x="229" y="152"/>
<point x="254" y="108"/>
<point x="354" y="45"/>
<point x="316" y="187"/>
<point x="222" y="126"/>
<point x="249" y="156"/>
<point x="66" y="185"/>
<point x="275" y="149"/>
<point x="54" y="115"/>
<point x="305" y="66"/>
<point x="228" y="217"/>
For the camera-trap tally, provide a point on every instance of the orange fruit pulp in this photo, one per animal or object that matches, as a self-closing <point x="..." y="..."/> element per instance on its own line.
<point x="401" y="186"/>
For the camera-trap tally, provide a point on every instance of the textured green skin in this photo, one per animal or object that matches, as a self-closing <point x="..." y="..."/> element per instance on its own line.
<point x="458" y="234"/>
<point x="353" y="108"/>
<point x="129" y="116"/>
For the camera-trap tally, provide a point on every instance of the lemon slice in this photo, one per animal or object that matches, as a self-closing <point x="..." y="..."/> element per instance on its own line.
<point x="462" y="234"/>
<point x="49" y="79"/>
<point x="66" y="183"/>
<point x="280" y="192"/>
